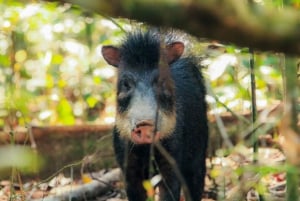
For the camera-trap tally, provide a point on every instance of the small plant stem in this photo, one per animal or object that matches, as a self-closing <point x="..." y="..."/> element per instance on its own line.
<point x="254" y="107"/>
<point x="291" y="94"/>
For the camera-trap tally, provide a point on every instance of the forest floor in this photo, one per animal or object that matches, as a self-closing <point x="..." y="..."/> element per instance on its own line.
<point x="227" y="178"/>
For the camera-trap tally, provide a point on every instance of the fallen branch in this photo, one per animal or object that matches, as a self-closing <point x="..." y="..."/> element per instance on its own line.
<point x="21" y="135"/>
<point x="230" y="21"/>
<point x="81" y="192"/>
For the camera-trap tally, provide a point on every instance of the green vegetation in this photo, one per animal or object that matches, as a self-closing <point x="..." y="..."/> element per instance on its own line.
<point x="51" y="69"/>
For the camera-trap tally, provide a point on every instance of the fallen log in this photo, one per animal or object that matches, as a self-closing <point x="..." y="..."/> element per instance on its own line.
<point x="20" y="135"/>
<point x="96" y="187"/>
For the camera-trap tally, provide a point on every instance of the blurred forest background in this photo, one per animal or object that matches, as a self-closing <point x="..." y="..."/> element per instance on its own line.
<point x="52" y="74"/>
<point x="51" y="67"/>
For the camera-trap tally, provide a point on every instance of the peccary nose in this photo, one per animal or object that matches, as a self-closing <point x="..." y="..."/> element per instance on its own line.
<point x="143" y="133"/>
<point x="144" y="123"/>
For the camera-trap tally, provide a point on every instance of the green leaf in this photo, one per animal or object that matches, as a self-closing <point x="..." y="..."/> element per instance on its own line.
<point x="97" y="80"/>
<point x="65" y="112"/>
<point x="57" y="59"/>
<point x="49" y="81"/>
<point x="91" y="101"/>
<point x="4" y="61"/>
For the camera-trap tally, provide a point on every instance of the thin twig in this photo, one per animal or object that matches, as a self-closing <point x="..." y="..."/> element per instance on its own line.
<point x="31" y="137"/>
<point x="219" y="121"/>
<point x="163" y="72"/>
<point x="253" y="101"/>
<point x="58" y="171"/>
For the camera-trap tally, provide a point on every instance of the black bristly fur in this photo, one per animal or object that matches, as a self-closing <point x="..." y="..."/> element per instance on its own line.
<point x="187" y="144"/>
<point x="141" y="50"/>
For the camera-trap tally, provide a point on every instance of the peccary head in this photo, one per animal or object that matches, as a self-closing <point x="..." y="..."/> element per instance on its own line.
<point x="146" y="109"/>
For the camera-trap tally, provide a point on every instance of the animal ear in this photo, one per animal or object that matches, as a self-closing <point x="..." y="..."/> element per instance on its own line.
<point x="174" y="51"/>
<point x="111" y="55"/>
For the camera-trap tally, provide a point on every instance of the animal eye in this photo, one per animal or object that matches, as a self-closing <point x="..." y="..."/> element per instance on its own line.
<point x="125" y="87"/>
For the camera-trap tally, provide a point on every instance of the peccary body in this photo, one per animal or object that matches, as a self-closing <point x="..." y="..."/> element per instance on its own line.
<point x="160" y="99"/>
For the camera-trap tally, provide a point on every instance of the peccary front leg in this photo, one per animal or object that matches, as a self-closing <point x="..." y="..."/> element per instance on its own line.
<point x="135" y="173"/>
<point x="169" y="188"/>
<point x="134" y="164"/>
